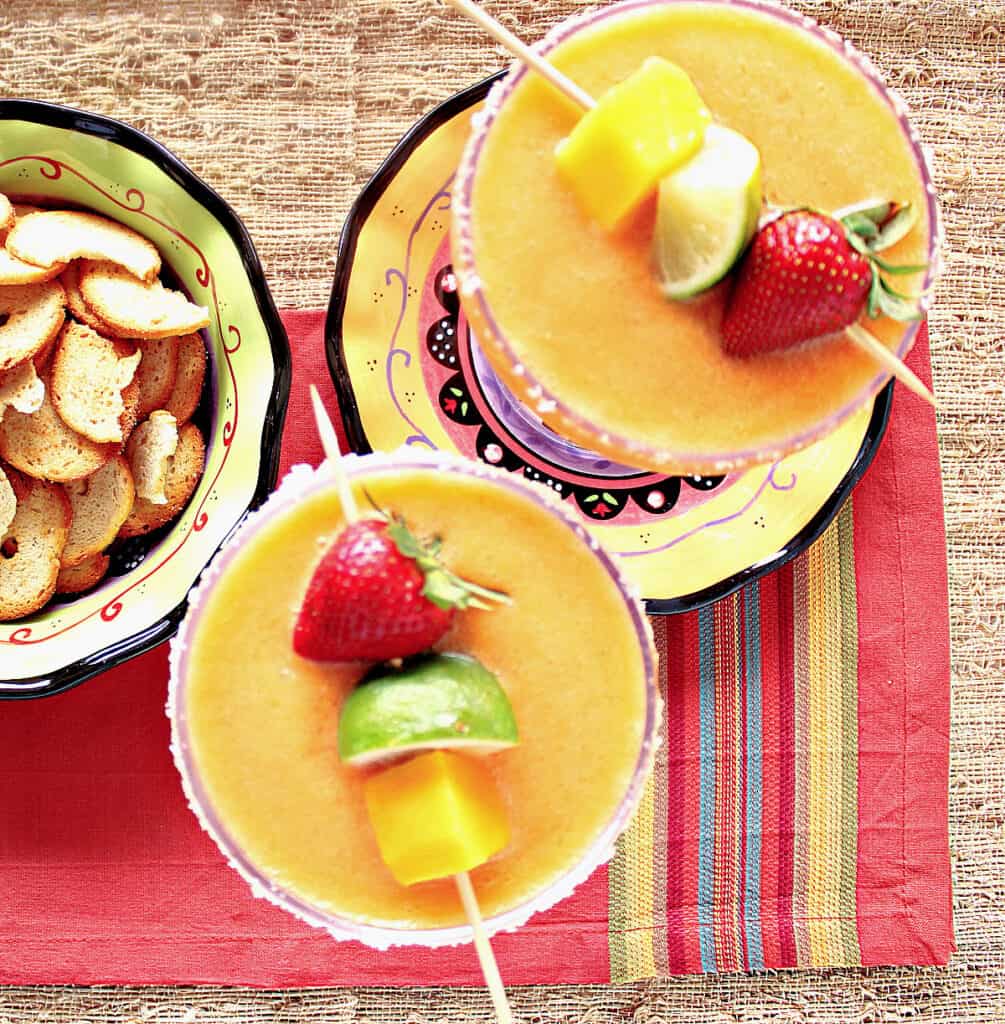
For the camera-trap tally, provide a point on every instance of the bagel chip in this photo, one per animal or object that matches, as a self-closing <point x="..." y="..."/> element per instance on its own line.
<point x="150" y="450"/>
<point x="31" y="316"/>
<point x="41" y="445"/>
<point x="89" y="375"/>
<point x="185" y="469"/>
<point x="6" y="216"/>
<point x="157" y="374"/>
<point x="83" y="576"/>
<point x="101" y="503"/>
<point x="136" y="309"/>
<point x="58" y="236"/>
<point x="31" y="546"/>
<point x="187" y="390"/>
<point x="21" y="388"/>
<point x="8" y="502"/>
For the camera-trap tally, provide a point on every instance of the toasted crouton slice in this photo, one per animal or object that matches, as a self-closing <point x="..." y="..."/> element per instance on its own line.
<point x="187" y="391"/>
<point x="150" y="450"/>
<point x="81" y="577"/>
<point x="43" y="357"/>
<point x="6" y="214"/>
<point x="21" y="388"/>
<point x="58" y="236"/>
<point x="157" y="374"/>
<point x="101" y="503"/>
<point x="8" y="502"/>
<point x="70" y="280"/>
<point x="130" y="411"/>
<point x="184" y="472"/>
<point x="15" y="271"/>
<point x="135" y="309"/>
<point x="31" y="316"/>
<point x="31" y="546"/>
<point x="43" y="446"/>
<point x="89" y="374"/>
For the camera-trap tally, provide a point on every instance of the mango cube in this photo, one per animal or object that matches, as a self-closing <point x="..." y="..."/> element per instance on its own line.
<point x="435" y="816"/>
<point x="639" y="131"/>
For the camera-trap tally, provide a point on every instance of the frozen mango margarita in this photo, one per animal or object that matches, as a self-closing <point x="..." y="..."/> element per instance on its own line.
<point x="347" y="785"/>
<point x="619" y="266"/>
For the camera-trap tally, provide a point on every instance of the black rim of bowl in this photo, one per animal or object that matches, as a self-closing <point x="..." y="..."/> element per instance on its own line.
<point x="353" y="424"/>
<point x="130" y="138"/>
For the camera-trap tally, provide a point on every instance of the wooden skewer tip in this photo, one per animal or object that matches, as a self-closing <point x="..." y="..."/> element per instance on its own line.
<point x="523" y="52"/>
<point x="329" y="442"/>
<point x="874" y="347"/>
<point x="490" y="969"/>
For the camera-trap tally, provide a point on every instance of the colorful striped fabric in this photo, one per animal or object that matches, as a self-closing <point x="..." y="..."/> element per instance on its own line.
<point x="798" y="815"/>
<point x="745" y="851"/>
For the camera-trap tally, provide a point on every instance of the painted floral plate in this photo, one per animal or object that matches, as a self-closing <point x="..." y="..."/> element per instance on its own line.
<point x="408" y="371"/>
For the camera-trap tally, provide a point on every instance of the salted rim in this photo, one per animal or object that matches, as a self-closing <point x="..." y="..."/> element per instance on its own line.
<point x="520" y="377"/>
<point x="301" y="482"/>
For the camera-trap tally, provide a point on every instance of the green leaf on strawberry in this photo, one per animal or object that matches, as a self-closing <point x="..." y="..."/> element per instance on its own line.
<point x="898" y="269"/>
<point x="442" y="587"/>
<point x="862" y="226"/>
<point x="895" y="228"/>
<point x="895" y="305"/>
<point x="877" y="212"/>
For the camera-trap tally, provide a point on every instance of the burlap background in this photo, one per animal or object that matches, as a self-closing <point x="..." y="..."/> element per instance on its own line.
<point x="286" y="108"/>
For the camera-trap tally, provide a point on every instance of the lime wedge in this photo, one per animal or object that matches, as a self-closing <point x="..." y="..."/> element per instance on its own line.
<point x="707" y="213"/>
<point x="440" y="701"/>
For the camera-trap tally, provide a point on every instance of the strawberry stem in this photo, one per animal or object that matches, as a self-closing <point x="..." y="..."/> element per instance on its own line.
<point x="870" y="229"/>
<point x="442" y="587"/>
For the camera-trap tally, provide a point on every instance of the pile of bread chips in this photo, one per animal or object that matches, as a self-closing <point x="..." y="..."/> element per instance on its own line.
<point x="101" y="371"/>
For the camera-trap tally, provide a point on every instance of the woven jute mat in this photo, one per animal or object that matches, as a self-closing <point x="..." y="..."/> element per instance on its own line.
<point x="287" y="108"/>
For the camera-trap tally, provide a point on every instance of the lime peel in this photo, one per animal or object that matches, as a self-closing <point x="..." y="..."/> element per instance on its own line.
<point x="707" y="213"/>
<point x="439" y="701"/>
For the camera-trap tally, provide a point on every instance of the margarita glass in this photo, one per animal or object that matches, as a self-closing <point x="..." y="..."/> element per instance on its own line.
<point x="254" y="727"/>
<point x="572" y="318"/>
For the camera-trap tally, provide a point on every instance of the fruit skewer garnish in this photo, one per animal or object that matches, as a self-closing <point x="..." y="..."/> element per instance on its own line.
<point x="602" y="149"/>
<point x="808" y="275"/>
<point x="457" y="783"/>
<point x="379" y="591"/>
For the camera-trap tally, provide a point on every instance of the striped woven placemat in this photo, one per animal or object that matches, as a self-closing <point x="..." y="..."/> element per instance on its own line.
<point x="796" y="817"/>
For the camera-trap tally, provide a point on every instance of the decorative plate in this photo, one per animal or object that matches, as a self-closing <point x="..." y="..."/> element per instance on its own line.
<point x="62" y="155"/>
<point x="408" y="370"/>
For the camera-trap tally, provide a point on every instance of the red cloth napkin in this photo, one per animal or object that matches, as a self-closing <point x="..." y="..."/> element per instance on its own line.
<point x="107" y="877"/>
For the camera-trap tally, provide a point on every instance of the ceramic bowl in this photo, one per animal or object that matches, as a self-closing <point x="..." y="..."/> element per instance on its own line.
<point x="57" y="155"/>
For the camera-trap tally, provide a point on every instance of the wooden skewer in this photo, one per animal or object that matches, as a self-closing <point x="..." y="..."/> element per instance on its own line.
<point x="482" y="946"/>
<point x="859" y="335"/>
<point x="523" y="52"/>
<point x="868" y="343"/>
<point x="329" y="442"/>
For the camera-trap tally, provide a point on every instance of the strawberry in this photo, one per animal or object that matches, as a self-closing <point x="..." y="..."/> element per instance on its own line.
<point x="380" y="593"/>
<point x="807" y="275"/>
